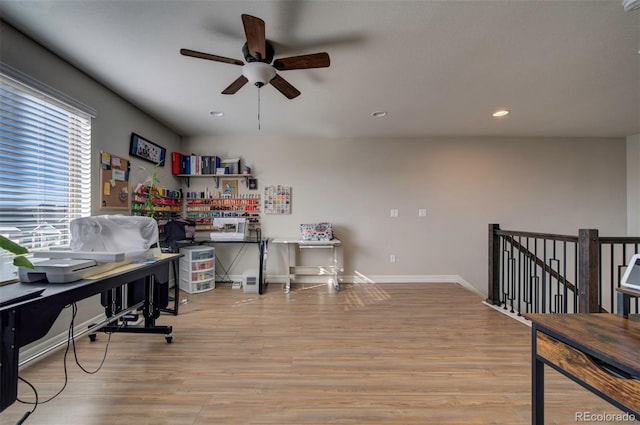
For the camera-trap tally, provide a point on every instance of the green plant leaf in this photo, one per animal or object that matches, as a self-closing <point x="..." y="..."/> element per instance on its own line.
<point x="15" y="249"/>
<point x="23" y="262"/>
<point x="11" y="246"/>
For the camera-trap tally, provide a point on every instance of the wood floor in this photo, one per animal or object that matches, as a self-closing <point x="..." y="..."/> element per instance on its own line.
<point x="370" y="354"/>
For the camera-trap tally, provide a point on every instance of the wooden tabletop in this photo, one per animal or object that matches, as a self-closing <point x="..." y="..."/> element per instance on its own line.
<point x="607" y="335"/>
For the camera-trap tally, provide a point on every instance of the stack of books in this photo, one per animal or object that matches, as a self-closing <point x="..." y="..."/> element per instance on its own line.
<point x="183" y="164"/>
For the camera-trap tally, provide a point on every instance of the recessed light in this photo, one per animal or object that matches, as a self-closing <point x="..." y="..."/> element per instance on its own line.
<point x="216" y="113"/>
<point x="379" y="114"/>
<point x="501" y="113"/>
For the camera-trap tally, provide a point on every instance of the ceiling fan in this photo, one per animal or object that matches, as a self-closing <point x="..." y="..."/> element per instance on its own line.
<point x="259" y="69"/>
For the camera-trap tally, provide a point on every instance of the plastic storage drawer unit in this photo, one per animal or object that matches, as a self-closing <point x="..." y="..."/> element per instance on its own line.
<point x="197" y="269"/>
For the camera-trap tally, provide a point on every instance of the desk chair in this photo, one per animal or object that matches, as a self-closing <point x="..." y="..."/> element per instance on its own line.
<point x="177" y="234"/>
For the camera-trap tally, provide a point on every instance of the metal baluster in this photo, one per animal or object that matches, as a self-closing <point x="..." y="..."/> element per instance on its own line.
<point x="527" y="281"/>
<point x="544" y="277"/>
<point x="554" y="292"/>
<point x="509" y="284"/>
<point x="558" y="302"/>
<point x="536" y="291"/>
<point x="616" y="277"/>
<point x="575" y="277"/>
<point x="564" y="275"/>
<point x="503" y="290"/>
<point x="530" y="278"/>
<point x="512" y="279"/>
<point x="506" y="266"/>
<point x="518" y="286"/>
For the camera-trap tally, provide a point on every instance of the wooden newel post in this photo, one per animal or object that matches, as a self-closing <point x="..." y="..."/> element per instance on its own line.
<point x="588" y="271"/>
<point x="493" y="290"/>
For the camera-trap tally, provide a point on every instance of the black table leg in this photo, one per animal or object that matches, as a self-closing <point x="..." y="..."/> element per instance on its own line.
<point x="537" y="384"/>
<point x="261" y="249"/>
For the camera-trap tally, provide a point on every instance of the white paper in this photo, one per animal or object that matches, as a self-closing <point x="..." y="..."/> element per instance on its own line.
<point x="118" y="175"/>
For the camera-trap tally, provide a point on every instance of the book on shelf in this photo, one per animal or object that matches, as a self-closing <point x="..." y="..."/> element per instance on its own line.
<point x="186" y="164"/>
<point x="176" y="159"/>
<point x="206" y="164"/>
<point x="194" y="164"/>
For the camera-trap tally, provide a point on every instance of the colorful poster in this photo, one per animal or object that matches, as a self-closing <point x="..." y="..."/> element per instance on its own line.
<point x="277" y="199"/>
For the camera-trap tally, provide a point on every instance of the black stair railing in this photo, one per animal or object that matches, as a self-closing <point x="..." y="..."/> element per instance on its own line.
<point x="550" y="273"/>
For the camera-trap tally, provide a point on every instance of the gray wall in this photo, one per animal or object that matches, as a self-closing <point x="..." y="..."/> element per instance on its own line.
<point x="116" y="118"/>
<point x="538" y="184"/>
<point x="111" y="130"/>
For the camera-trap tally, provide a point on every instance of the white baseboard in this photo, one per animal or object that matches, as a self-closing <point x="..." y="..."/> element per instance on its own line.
<point x="384" y="279"/>
<point x="508" y="313"/>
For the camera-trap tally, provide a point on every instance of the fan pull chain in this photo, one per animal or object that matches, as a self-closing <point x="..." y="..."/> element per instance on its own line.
<point x="258" y="108"/>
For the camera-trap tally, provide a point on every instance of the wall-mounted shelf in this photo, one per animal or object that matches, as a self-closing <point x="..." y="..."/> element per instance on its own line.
<point x="217" y="177"/>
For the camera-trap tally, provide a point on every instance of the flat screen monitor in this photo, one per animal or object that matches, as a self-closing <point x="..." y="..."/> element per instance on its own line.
<point x="631" y="277"/>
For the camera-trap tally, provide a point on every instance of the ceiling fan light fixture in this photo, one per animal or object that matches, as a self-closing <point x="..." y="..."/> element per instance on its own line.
<point x="258" y="52"/>
<point x="258" y="73"/>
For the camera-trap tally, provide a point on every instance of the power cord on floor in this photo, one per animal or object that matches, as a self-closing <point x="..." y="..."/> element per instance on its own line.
<point x="64" y="363"/>
<point x="70" y="342"/>
<point x="104" y="356"/>
<point x="35" y="404"/>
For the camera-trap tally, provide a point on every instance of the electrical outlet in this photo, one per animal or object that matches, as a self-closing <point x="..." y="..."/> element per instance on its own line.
<point x="394" y="212"/>
<point x="422" y="212"/>
<point x="392" y="258"/>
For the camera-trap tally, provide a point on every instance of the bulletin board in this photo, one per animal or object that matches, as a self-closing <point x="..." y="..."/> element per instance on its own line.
<point x="114" y="182"/>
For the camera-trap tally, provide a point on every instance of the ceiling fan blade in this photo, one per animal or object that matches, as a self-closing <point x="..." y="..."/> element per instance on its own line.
<point x="200" y="55"/>
<point x="255" y="33"/>
<point x="284" y="87"/>
<point x="236" y="85"/>
<point x="315" y="60"/>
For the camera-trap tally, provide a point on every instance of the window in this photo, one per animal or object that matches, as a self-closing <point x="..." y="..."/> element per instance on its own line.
<point x="45" y="165"/>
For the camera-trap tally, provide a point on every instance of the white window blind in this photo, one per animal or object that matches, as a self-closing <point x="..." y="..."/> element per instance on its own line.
<point x="45" y="167"/>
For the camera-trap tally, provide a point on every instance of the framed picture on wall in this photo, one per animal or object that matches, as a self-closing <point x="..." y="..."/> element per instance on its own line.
<point x="229" y="186"/>
<point x="277" y="199"/>
<point x="147" y="150"/>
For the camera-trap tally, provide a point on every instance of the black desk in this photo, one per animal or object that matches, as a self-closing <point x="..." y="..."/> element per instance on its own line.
<point x="598" y="351"/>
<point x="28" y="321"/>
<point x="262" y="253"/>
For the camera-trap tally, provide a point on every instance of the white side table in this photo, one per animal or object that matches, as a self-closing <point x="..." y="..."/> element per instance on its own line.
<point x="293" y="268"/>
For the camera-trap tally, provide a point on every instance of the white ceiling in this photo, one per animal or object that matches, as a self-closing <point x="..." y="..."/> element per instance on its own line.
<point x="439" y="68"/>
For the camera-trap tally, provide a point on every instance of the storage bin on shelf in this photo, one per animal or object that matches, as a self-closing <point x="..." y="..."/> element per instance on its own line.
<point x="197" y="269"/>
